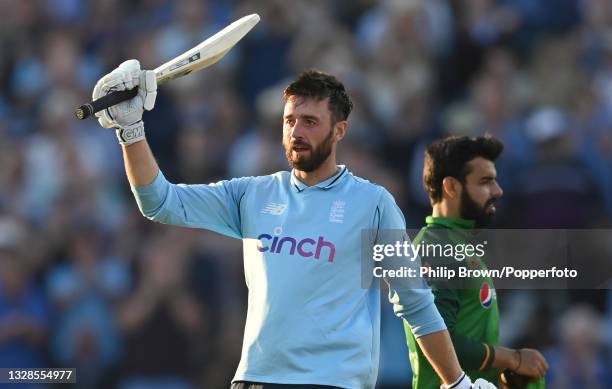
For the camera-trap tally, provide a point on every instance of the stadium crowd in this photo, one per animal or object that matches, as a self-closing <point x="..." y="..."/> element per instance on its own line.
<point x="87" y="282"/>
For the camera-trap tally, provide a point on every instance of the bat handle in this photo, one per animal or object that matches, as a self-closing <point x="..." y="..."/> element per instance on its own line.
<point x="86" y="110"/>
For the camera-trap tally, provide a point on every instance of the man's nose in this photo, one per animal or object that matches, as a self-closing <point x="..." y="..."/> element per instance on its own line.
<point x="296" y="131"/>
<point x="497" y="191"/>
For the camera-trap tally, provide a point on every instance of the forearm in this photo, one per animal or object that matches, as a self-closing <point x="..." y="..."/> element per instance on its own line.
<point x="505" y="358"/>
<point x="140" y="165"/>
<point x="472" y="354"/>
<point x="439" y="351"/>
<point x="526" y="362"/>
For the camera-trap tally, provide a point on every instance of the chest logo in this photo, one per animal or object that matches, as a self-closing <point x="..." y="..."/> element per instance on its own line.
<point x="288" y="245"/>
<point x="487" y="294"/>
<point x="275" y="209"/>
<point x="336" y="212"/>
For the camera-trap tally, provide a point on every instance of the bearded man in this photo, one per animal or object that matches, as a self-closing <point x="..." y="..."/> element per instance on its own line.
<point x="460" y="178"/>
<point x="310" y="323"/>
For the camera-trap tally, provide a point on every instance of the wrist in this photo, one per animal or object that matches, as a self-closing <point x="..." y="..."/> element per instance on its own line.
<point x="520" y="360"/>
<point x="507" y="358"/>
<point x="462" y="382"/>
<point x="130" y="134"/>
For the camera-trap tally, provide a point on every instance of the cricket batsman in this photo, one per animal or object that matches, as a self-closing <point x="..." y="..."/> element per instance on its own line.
<point x="309" y="322"/>
<point x="460" y="177"/>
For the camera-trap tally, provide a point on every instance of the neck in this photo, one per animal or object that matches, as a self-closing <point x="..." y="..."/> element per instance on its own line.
<point x="326" y="170"/>
<point x="444" y="209"/>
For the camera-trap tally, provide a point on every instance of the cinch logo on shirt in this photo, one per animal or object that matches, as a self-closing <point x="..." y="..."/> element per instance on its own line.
<point x="305" y="248"/>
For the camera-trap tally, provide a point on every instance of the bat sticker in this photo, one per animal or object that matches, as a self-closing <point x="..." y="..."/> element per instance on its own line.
<point x="184" y="62"/>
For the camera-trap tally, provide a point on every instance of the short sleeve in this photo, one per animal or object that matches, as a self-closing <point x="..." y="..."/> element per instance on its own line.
<point x="411" y="298"/>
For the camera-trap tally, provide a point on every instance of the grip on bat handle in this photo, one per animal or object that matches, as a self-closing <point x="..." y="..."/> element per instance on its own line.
<point x="86" y="110"/>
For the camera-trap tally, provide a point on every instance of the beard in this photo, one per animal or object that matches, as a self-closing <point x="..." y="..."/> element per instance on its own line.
<point x="317" y="156"/>
<point x="470" y="210"/>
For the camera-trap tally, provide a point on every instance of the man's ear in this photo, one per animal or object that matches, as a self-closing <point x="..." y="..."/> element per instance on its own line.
<point x="451" y="187"/>
<point x="340" y="129"/>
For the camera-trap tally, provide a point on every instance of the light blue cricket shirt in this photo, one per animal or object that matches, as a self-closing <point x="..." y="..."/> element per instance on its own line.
<point x="309" y="320"/>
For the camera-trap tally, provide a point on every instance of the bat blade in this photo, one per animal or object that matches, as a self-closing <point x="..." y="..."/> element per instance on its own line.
<point x="208" y="52"/>
<point x="199" y="57"/>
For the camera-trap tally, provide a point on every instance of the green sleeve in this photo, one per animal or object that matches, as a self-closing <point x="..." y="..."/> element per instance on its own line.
<point x="472" y="354"/>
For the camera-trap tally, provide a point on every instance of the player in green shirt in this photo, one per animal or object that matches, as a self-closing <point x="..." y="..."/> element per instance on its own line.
<point x="460" y="178"/>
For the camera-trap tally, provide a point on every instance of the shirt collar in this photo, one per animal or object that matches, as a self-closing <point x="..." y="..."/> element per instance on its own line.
<point x="450" y="222"/>
<point x="325" y="184"/>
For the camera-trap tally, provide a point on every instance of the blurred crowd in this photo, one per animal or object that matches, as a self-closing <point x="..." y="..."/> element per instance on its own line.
<point x="87" y="282"/>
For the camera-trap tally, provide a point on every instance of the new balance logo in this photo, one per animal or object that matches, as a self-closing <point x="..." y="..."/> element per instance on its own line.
<point x="275" y="209"/>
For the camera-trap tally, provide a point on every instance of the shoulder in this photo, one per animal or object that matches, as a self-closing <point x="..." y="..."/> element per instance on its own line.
<point x="432" y="234"/>
<point x="266" y="182"/>
<point x="369" y="188"/>
<point x="269" y="178"/>
<point x="282" y="175"/>
<point x="272" y="179"/>
<point x="387" y="213"/>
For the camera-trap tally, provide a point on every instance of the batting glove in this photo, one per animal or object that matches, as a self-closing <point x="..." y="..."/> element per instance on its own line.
<point x="126" y="117"/>
<point x="464" y="382"/>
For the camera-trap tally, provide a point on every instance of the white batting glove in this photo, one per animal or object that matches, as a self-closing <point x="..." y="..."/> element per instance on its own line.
<point x="464" y="382"/>
<point x="126" y="117"/>
<point x="483" y="384"/>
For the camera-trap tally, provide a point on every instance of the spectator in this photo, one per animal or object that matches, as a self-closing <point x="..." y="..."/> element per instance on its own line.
<point x="579" y="360"/>
<point x="84" y="290"/>
<point x="160" y="318"/>
<point x="24" y="316"/>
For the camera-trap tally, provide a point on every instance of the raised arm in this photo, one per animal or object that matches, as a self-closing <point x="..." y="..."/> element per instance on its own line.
<point x="215" y="207"/>
<point x="140" y="165"/>
<point x="126" y="118"/>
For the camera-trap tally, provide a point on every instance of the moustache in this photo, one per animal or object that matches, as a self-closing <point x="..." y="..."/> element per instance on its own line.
<point x="300" y="144"/>
<point x="491" y="201"/>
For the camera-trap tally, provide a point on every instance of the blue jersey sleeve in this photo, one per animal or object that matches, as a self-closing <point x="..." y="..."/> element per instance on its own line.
<point x="215" y="207"/>
<point x="414" y="304"/>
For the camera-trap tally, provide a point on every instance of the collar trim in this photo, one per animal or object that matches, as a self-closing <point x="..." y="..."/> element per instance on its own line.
<point x="325" y="184"/>
<point x="451" y="222"/>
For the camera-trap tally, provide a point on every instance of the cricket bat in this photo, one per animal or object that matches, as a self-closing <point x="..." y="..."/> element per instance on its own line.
<point x="199" y="57"/>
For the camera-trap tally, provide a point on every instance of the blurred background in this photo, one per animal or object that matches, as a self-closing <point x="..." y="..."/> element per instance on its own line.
<point x="87" y="282"/>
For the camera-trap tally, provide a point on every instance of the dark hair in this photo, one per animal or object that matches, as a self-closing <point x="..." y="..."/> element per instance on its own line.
<point x="448" y="157"/>
<point x="320" y="85"/>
